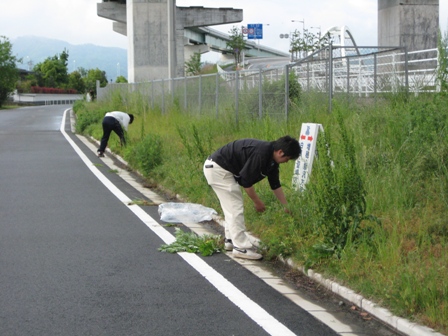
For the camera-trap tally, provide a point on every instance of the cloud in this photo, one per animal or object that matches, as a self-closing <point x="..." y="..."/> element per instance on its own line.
<point x="77" y="22"/>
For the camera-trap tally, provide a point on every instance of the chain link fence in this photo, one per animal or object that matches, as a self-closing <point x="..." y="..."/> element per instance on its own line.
<point x="334" y="70"/>
<point x="245" y="93"/>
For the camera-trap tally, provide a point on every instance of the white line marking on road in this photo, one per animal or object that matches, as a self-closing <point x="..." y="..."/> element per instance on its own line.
<point x="249" y="307"/>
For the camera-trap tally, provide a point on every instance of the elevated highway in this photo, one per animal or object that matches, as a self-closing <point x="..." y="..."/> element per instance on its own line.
<point x="215" y="40"/>
<point x="161" y="36"/>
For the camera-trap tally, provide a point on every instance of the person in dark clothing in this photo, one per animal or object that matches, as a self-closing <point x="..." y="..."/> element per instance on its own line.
<point x="114" y="121"/>
<point x="242" y="163"/>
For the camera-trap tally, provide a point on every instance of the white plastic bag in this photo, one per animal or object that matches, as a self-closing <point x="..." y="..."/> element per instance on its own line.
<point x="185" y="213"/>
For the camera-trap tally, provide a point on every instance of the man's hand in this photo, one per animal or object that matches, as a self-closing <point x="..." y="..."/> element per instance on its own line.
<point x="259" y="206"/>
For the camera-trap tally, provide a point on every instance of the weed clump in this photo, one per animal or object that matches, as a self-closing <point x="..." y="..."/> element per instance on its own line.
<point x="190" y="242"/>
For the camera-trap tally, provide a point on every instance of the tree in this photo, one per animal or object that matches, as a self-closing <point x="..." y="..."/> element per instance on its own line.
<point x="301" y="45"/>
<point x="236" y="43"/>
<point x="121" y="79"/>
<point x="53" y="71"/>
<point x="92" y="76"/>
<point x="194" y="65"/>
<point x="9" y="73"/>
<point x="75" y="81"/>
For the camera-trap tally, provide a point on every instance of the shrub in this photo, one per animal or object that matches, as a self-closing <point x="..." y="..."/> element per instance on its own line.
<point x="84" y="117"/>
<point x="146" y="154"/>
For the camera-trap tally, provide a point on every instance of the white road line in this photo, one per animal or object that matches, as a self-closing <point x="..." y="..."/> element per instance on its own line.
<point x="249" y="307"/>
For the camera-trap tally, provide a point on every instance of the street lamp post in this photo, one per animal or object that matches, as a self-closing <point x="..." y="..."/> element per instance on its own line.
<point x="303" y="24"/>
<point x="318" y="27"/>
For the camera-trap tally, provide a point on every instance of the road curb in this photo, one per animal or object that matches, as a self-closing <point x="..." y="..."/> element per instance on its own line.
<point x="399" y="324"/>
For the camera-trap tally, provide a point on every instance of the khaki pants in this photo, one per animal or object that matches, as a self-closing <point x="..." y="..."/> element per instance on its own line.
<point x="231" y="199"/>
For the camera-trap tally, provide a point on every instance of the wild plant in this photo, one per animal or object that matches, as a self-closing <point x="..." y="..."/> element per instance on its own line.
<point x="190" y="242"/>
<point x="146" y="154"/>
<point x="338" y="192"/>
<point x="85" y="117"/>
<point x="198" y="146"/>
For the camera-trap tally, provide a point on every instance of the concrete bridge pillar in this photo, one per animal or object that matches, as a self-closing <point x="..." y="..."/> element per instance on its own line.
<point x="413" y="24"/>
<point x="147" y="39"/>
<point x="155" y="31"/>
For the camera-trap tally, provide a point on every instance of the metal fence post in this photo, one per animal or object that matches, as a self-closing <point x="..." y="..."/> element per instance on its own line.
<point x="185" y="93"/>
<point x="406" y="69"/>
<point x="237" y="89"/>
<point x="348" y="80"/>
<point x="286" y="91"/>
<point x="260" y="95"/>
<point x="200" y="94"/>
<point x="217" y="93"/>
<point x="308" y="76"/>
<point x="375" y="64"/>
<point x="330" y="77"/>
<point x="171" y="87"/>
<point x="163" y="96"/>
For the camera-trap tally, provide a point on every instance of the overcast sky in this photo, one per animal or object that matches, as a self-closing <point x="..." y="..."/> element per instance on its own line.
<point x="77" y="22"/>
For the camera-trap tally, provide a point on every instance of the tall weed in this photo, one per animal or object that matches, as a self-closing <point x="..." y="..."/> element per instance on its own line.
<point x="146" y="154"/>
<point x="338" y="190"/>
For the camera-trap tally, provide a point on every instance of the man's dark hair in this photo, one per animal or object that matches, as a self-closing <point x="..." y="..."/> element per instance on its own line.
<point x="132" y="118"/>
<point x="289" y="146"/>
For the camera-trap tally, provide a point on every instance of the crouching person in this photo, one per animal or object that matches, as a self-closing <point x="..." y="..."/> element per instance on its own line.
<point x="114" y="121"/>
<point x="242" y="163"/>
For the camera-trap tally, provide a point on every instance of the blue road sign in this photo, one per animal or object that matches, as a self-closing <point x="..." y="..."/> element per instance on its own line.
<point x="255" y="31"/>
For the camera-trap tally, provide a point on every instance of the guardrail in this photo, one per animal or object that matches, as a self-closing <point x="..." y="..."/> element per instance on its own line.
<point x="45" y="99"/>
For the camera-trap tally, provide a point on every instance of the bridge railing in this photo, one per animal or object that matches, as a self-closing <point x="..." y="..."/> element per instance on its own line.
<point x="367" y="71"/>
<point x="336" y="71"/>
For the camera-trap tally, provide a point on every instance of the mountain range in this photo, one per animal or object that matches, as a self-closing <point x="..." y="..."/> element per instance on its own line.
<point x="34" y="50"/>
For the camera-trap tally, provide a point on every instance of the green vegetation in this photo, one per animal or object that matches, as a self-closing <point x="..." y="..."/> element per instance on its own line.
<point x="193" y="65"/>
<point x="374" y="213"/>
<point x="301" y="44"/>
<point x="8" y="71"/>
<point x="52" y="74"/>
<point x="206" y="245"/>
<point x="236" y="44"/>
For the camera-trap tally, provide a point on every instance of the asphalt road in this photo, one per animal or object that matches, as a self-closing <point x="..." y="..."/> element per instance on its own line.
<point x="76" y="259"/>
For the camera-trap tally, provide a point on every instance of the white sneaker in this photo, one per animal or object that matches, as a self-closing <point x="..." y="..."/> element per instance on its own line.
<point x="228" y="245"/>
<point x="246" y="254"/>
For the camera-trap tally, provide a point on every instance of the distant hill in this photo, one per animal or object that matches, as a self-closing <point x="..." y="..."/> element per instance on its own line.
<point x="88" y="56"/>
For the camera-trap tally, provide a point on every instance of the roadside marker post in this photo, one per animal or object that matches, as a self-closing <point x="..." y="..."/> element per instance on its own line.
<point x="304" y="164"/>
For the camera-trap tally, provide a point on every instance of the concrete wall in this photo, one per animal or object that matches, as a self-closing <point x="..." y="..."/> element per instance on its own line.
<point x="413" y="24"/>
